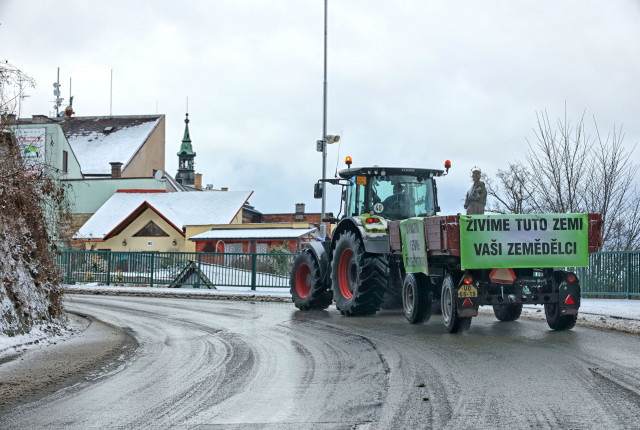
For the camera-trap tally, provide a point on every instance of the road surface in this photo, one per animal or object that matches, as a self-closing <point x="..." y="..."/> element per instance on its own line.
<point x="221" y="364"/>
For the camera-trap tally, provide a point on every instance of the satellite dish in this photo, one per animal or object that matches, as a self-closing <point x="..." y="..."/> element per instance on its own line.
<point x="158" y="175"/>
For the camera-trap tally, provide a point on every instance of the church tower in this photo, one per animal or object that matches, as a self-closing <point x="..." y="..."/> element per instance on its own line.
<point x="186" y="173"/>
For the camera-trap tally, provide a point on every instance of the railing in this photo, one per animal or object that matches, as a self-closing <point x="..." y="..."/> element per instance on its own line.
<point x="176" y="269"/>
<point x="611" y="273"/>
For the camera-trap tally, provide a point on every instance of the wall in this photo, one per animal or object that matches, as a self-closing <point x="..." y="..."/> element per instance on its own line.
<point x="150" y="156"/>
<point x="55" y="143"/>
<point x="247" y="246"/>
<point x="90" y="194"/>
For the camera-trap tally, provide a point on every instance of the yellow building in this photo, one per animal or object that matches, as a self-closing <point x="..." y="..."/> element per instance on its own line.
<point x="161" y="222"/>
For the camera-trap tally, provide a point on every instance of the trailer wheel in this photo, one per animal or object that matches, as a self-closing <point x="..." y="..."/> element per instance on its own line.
<point x="358" y="278"/>
<point x="508" y="312"/>
<point x="556" y="320"/>
<point x="416" y="298"/>
<point x="448" y="299"/>
<point x="307" y="289"/>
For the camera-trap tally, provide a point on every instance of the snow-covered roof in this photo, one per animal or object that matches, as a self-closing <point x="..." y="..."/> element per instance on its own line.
<point x="98" y="141"/>
<point x="180" y="209"/>
<point x="254" y="233"/>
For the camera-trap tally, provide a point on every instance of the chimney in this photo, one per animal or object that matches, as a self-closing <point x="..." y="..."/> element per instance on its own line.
<point x="198" y="181"/>
<point x="39" y="119"/>
<point x="299" y="211"/>
<point x="115" y="170"/>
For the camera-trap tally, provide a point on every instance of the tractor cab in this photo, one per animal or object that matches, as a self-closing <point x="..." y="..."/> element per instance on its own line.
<point x="393" y="193"/>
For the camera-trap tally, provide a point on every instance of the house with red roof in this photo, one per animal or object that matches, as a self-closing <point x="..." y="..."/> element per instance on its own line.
<point x="158" y="221"/>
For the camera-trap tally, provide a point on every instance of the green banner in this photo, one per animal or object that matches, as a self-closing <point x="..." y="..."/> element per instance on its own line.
<point x="414" y="251"/>
<point x="510" y="241"/>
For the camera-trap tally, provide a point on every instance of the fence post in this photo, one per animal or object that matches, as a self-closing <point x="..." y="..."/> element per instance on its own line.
<point x="197" y="284"/>
<point x="628" y="275"/>
<point x="109" y="269"/>
<point x="153" y="258"/>
<point x="68" y="266"/>
<point x="254" y="269"/>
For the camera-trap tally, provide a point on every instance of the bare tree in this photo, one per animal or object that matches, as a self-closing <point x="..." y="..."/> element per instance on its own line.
<point x="511" y="192"/>
<point x="13" y="81"/>
<point x="566" y="170"/>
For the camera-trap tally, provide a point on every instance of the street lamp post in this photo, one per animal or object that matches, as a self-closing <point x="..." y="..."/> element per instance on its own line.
<point x="323" y="227"/>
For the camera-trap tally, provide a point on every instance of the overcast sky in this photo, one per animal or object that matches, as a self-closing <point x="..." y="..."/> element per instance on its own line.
<point x="411" y="83"/>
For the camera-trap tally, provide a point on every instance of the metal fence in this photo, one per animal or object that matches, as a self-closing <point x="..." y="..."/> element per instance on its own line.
<point x="176" y="269"/>
<point x="611" y="273"/>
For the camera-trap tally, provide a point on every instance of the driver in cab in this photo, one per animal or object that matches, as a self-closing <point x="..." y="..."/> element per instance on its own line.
<point x="398" y="204"/>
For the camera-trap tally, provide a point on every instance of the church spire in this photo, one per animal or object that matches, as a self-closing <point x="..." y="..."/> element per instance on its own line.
<point x="186" y="172"/>
<point x="186" y="147"/>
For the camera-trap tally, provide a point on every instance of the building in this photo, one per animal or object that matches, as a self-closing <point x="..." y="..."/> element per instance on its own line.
<point x="96" y="156"/>
<point x="253" y="237"/>
<point x="158" y="221"/>
<point x="299" y="216"/>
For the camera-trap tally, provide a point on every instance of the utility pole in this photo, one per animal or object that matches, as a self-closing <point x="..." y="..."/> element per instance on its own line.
<point x="323" y="227"/>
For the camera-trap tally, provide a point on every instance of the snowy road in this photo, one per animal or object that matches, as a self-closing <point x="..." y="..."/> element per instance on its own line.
<point x="204" y="363"/>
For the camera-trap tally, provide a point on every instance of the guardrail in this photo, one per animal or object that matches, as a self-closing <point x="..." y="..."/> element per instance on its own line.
<point x="176" y="269"/>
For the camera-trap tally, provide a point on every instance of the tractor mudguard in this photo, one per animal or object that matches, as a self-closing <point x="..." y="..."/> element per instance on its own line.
<point x="320" y="254"/>
<point x="374" y="242"/>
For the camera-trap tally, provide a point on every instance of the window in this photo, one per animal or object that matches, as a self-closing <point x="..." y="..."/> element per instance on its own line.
<point x="65" y="162"/>
<point x="151" y="229"/>
<point x="233" y="247"/>
<point x="261" y="248"/>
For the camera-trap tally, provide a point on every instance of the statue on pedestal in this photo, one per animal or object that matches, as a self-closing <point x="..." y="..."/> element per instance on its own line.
<point x="477" y="195"/>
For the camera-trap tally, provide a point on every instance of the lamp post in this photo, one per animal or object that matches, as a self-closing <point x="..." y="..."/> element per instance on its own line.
<point x="323" y="227"/>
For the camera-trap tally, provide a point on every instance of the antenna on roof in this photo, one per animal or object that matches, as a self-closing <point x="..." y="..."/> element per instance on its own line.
<point x="56" y="92"/>
<point x="187" y="104"/>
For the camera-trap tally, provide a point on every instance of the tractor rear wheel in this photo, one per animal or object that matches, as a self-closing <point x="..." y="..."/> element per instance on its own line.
<point x="508" y="312"/>
<point x="358" y="278"/>
<point x="416" y="298"/>
<point x="449" y="302"/>
<point x="556" y="320"/>
<point x="308" y="291"/>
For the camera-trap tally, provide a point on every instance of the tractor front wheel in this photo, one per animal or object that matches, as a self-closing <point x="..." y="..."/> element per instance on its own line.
<point x="358" y="278"/>
<point x="308" y="291"/>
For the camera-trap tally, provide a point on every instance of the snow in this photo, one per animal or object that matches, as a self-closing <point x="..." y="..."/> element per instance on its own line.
<point x="182" y="209"/>
<point x="255" y="233"/>
<point x="95" y="150"/>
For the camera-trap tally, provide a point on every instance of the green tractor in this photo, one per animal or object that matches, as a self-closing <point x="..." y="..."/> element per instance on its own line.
<point x="356" y="267"/>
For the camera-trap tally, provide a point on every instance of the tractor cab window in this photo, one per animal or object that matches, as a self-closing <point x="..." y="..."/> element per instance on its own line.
<point x="394" y="197"/>
<point x="401" y="197"/>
